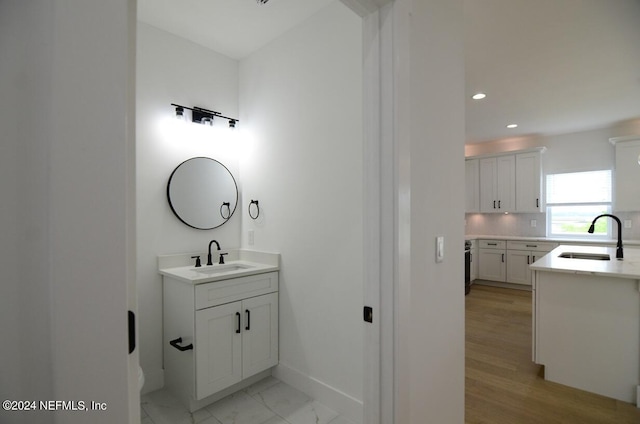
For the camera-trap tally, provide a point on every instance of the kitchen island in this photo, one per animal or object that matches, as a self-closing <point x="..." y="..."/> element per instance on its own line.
<point x="586" y="319"/>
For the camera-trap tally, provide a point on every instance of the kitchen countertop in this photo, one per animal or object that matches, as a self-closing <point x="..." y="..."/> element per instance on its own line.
<point x="628" y="268"/>
<point x="553" y="240"/>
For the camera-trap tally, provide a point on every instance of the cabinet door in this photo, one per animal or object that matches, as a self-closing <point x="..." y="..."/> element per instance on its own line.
<point x="518" y="267"/>
<point x="259" y="334"/>
<point x="492" y="265"/>
<point x="506" y="188"/>
<point x="528" y="183"/>
<point x="627" y="176"/>
<point x="488" y="185"/>
<point x="472" y="174"/>
<point x="218" y="345"/>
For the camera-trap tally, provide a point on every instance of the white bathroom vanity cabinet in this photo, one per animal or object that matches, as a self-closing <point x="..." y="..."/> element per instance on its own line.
<point x="220" y="335"/>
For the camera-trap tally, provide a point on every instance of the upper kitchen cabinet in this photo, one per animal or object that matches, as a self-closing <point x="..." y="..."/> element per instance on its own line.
<point x="528" y="182"/>
<point x="497" y="184"/>
<point x="507" y="182"/>
<point x="472" y="173"/>
<point x="627" y="173"/>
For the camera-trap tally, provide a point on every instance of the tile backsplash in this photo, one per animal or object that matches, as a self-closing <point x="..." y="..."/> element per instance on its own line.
<point x="519" y="224"/>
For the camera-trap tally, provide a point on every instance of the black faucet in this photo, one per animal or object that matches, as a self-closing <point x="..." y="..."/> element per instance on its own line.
<point x="619" y="254"/>
<point x="209" y="261"/>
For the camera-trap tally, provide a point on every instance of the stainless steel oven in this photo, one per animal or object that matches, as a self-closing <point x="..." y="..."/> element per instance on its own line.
<point x="467" y="267"/>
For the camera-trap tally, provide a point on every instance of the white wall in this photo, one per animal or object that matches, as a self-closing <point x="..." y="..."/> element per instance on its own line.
<point x="67" y="169"/>
<point x="301" y="108"/>
<point x="171" y="69"/>
<point x="24" y="70"/>
<point x="428" y="41"/>
<point x="573" y="152"/>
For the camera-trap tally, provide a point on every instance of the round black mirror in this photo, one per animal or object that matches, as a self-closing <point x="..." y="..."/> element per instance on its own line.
<point x="202" y="193"/>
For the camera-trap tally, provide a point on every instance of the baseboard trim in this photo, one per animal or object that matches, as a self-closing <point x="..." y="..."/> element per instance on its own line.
<point x="152" y="381"/>
<point x="501" y="284"/>
<point x="344" y="404"/>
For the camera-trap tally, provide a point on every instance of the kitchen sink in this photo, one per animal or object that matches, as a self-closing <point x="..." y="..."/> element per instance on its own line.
<point x="581" y="255"/>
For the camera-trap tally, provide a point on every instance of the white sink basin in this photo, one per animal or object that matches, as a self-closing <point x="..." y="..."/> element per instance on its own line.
<point x="220" y="269"/>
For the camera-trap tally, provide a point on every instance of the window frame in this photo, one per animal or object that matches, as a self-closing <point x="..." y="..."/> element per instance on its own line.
<point x="608" y="206"/>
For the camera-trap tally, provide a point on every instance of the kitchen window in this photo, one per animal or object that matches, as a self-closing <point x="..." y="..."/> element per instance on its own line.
<point x="574" y="199"/>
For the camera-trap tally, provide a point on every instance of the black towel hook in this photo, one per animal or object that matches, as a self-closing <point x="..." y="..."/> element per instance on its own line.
<point x="228" y="205"/>
<point x="257" y="209"/>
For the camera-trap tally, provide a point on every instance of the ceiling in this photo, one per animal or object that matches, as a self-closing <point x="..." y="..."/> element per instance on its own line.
<point x="551" y="66"/>
<point x="235" y="28"/>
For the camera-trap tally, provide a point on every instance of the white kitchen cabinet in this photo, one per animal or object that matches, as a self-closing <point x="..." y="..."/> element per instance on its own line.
<point x="472" y="174"/>
<point x="521" y="254"/>
<point x="518" y="262"/>
<point x="497" y="184"/>
<point x="627" y="174"/>
<point x="528" y="182"/>
<point x="218" y="334"/>
<point x="492" y="256"/>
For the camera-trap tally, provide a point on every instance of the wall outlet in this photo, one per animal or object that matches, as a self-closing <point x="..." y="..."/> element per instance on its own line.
<point x="627" y="223"/>
<point x="534" y="223"/>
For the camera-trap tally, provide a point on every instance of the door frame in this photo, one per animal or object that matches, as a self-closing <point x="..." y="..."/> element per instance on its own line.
<point x="379" y="240"/>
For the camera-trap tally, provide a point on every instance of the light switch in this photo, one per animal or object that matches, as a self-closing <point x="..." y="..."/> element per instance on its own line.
<point x="627" y="223"/>
<point x="534" y="223"/>
<point x="439" y="248"/>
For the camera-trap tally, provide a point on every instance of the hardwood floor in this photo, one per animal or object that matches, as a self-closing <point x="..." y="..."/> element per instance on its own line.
<point x="503" y="385"/>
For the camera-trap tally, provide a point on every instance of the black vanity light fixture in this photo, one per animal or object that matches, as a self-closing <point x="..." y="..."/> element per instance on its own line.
<point x="203" y="116"/>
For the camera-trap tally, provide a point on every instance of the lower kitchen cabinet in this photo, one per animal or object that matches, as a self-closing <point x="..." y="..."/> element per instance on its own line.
<point x="492" y="258"/>
<point x="508" y="261"/>
<point x="520" y="255"/>
<point x="518" y="262"/>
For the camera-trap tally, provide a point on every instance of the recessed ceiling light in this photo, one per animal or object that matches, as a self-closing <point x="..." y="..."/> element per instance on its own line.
<point x="478" y="96"/>
<point x="512" y="126"/>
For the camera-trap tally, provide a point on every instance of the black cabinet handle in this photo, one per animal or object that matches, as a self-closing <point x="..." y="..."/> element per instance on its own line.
<point x="537" y="203"/>
<point x="532" y="245"/>
<point x="534" y="258"/>
<point x="494" y="204"/>
<point x="492" y="244"/>
<point x="528" y="260"/>
<point x="248" y="312"/>
<point x="131" y="318"/>
<point x="238" y="316"/>
<point x="175" y="343"/>
<point x="503" y="257"/>
<point x="498" y="204"/>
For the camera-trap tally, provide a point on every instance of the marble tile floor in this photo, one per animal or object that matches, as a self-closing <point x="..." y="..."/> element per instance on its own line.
<point x="269" y="401"/>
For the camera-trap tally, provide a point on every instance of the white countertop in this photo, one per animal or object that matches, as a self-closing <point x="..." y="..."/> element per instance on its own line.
<point x="552" y="239"/>
<point x="629" y="267"/>
<point x="239" y="263"/>
<point x="231" y="269"/>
